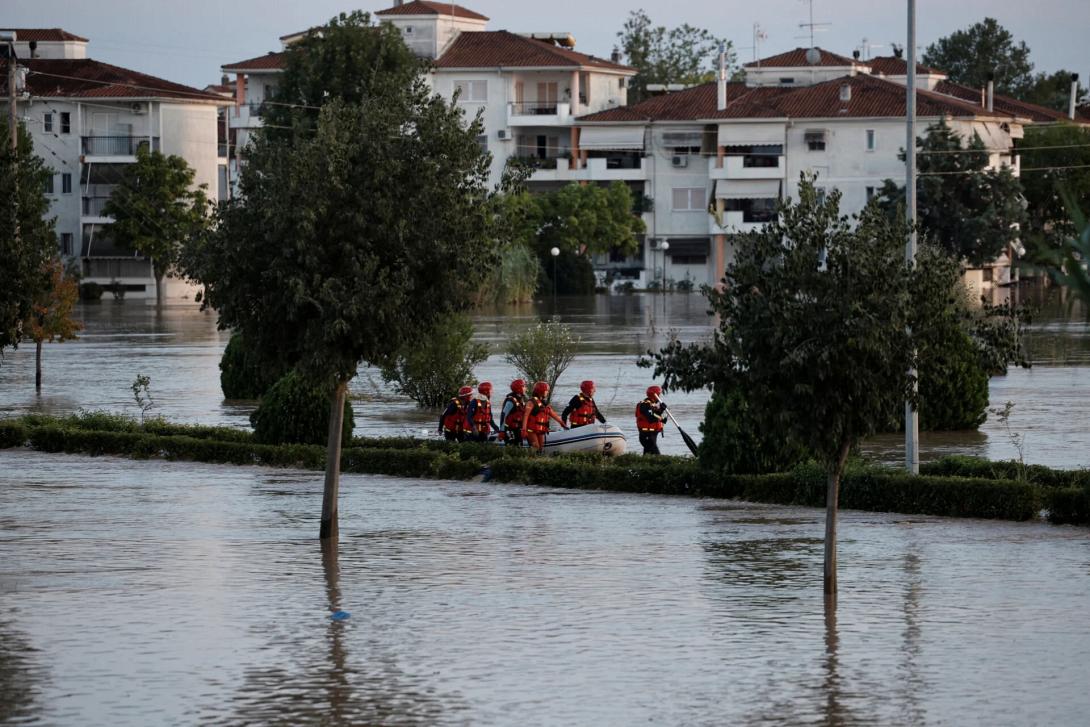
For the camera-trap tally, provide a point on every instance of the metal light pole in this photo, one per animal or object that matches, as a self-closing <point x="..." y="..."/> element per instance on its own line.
<point x="664" y="247"/>
<point x="555" y="252"/>
<point x="912" y="417"/>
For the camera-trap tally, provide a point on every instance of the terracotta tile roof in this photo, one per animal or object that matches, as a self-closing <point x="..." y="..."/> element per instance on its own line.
<point x="797" y="57"/>
<point x="1003" y="104"/>
<point x="222" y="89"/>
<point x="424" y="7"/>
<point x="492" y="48"/>
<point x="894" y="66"/>
<point x="87" y="78"/>
<point x="45" y="35"/>
<point x="871" y="97"/>
<point x="271" y="61"/>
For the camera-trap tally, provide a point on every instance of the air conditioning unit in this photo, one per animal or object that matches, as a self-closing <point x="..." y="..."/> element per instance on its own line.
<point x="503" y="134"/>
<point x="680" y="161"/>
<point x="138" y="108"/>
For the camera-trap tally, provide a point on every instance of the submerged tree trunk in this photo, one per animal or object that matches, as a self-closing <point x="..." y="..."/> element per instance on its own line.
<point x="832" y="500"/>
<point x="160" y="294"/>
<point x="328" y="529"/>
<point x="38" y="366"/>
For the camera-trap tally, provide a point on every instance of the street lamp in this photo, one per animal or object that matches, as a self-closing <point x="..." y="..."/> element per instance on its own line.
<point x="555" y="252"/>
<point x="664" y="247"/>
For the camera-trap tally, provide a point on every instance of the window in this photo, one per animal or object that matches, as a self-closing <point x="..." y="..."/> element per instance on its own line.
<point x="689" y="259"/>
<point x="472" y="91"/>
<point x="688" y="199"/>
<point x="870" y="139"/>
<point x="66" y="243"/>
<point x="620" y="82"/>
<point x="66" y="183"/>
<point x="819" y="192"/>
<point x="753" y="210"/>
<point x="66" y="122"/>
<point x="49" y="184"/>
<point x="47" y="122"/>
<point x="815" y="139"/>
<point x="787" y="81"/>
<point x="408" y="30"/>
<point x="482" y="140"/>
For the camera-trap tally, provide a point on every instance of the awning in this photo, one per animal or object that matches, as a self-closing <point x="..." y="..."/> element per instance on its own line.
<point x="750" y="134"/>
<point x="747" y="189"/>
<point x="994" y="138"/>
<point x="683" y="138"/>
<point x="626" y="138"/>
<point x="688" y="246"/>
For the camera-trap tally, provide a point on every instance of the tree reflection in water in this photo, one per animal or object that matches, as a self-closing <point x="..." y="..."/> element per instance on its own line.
<point x="20" y="676"/>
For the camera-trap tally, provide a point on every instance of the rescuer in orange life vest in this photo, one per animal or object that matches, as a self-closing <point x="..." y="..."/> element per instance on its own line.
<point x="650" y="413"/>
<point x="479" y="414"/>
<point x="452" y="422"/>
<point x="514" y="406"/>
<point x="582" y="410"/>
<point x="535" y="422"/>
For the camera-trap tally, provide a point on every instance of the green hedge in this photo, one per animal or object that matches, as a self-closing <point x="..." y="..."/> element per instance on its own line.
<point x="962" y="466"/>
<point x="1068" y="505"/>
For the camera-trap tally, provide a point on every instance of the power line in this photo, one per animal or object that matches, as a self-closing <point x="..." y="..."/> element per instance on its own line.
<point x="1022" y="170"/>
<point x="1012" y="150"/>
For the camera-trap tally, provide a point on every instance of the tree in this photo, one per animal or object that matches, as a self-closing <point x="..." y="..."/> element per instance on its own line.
<point x="1052" y="90"/>
<point x="543" y="352"/>
<point x="814" y="322"/>
<point x="243" y="373"/>
<point x="969" y="56"/>
<point x="1063" y="152"/>
<point x="352" y="238"/>
<point x="431" y="370"/>
<point x="1066" y="263"/>
<point x="684" y="54"/>
<point x="971" y="211"/>
<point x="156" y="210"/>
<point x="27" y="240"/>
<point x="50" y="318"/>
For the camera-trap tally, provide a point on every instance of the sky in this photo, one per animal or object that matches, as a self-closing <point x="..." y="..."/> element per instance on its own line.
<point x="188" y="40"/>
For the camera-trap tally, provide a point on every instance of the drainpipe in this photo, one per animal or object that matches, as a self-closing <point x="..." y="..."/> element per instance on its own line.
<point x="1074" y="95"/>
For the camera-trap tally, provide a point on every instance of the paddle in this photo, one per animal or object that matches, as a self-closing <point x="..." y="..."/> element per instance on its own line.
<point x="688" y="440"/>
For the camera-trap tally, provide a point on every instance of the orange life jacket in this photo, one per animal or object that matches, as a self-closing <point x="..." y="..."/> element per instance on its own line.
<point x="584" y="413"/>
<point x="456" y="420"/>
<point x="514" y="418"/>
<point x="539" y="416"/>
<point x="482" y="416"/>
<point x="654" y="424"/>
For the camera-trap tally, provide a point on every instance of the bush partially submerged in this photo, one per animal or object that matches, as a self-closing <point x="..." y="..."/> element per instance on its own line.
<point x="430" y="371"/>
<point x="243" y="374"/>
<point x="297" y="411"/>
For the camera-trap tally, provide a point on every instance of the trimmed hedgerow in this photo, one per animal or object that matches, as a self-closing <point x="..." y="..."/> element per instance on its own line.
<point x="1068" y="505"/>
<point x="962" y="466"/>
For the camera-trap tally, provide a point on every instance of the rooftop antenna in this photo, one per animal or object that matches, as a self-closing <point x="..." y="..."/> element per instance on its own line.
<point x="813" y="27"/>
<point x="866" y="47"/>
<point x="758" y="35"/>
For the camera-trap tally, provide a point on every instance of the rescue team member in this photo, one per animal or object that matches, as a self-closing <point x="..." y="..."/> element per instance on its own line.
<point x="535" y="422"/>
<point x="514" y="406"/>
<point x="650" y="414"/>
<point x="452" y="422"/>
<point x="479" y="414"/>
<point x="582" y="410"/>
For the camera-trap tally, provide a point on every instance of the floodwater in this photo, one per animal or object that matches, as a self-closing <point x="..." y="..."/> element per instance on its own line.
<point x="180" y="349"/>
<point x="139" y="593"/>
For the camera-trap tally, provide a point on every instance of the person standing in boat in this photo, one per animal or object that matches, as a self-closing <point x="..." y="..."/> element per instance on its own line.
<point x="535" y="422"/>
<point x="479" y="414"/>
<point x="582" y="410"/>
<point x="650" y="414"/>
<point x="514" y="407"/>
<point x="453" y="421"/>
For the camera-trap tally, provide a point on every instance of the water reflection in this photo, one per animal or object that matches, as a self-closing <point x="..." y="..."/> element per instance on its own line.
<point x="20" y="675"/>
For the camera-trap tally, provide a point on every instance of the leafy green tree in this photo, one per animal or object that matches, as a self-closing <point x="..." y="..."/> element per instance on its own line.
<point x="27" y="240"/>
<point x="243" y="373"/>
<point x="814" y="318"/>
<point x="684" y="54"/>
<point x="1066" y="263"/>
<point x="734" y="443"/>
<point x="1063" y="151"/>
<point x="543" y="352"/>
<point x="968" y="57"/>
<point x="429" y="371"/>
<point x="156" y="210"/>
<point x="1052" y="90"/>
<point x="295" y="411"/>
<point x="352" y="238"/>
<point x="50" y="317"/>
<point x="970" y="211"/>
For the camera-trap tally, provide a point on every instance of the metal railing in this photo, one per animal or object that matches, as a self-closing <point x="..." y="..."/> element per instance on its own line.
<point x="116" y="268"/>
<point x="533" y="108"/>
<point x="117" y="145"/>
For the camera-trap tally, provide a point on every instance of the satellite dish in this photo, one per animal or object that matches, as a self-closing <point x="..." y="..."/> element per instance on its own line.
<point x="813" y="56"/>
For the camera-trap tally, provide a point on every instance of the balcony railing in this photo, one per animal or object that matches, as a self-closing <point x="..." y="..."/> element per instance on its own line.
<point x="534" y="108"/>
<point x="93" y="206"/>
<point x="117" y="145"/>
<point x="112" y="269"/>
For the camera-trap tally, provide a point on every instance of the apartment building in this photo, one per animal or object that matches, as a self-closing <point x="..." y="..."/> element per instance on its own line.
<point x="87" y="119"/>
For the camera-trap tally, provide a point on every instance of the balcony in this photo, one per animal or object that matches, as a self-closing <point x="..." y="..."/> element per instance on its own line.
<point x="539" y="114"/>
<point x="749" y="166"/>
<point x="106" y="270"/>
<point x="116" y="148"/>
<point x="246" y="116"/>
<point x="560" y="169"/>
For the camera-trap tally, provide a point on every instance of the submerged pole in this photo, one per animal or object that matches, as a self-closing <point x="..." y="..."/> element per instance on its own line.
<point x="912" y="417"/>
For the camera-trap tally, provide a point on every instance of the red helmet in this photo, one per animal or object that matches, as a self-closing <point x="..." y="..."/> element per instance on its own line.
<point x="541" y="389"/>
<point x="587" y="387"/>
<point x="654" y="392"/>
<point x="465" y="391"/>
<point x="518" y="386"/>
<point x="485" y="387"/>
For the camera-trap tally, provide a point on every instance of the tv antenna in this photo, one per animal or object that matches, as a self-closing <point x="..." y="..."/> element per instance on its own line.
<point x="813" y="27"/>
<point x="866" y="46"/>
<point x="758" y="35"/>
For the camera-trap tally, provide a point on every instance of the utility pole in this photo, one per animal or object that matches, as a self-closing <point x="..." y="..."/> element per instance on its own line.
<point x="13" y="125"/>
<point x="912" y="417"/>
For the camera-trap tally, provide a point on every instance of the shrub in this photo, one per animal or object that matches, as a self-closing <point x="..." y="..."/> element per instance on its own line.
<point x="733" y="443"/>
<point x="12" y="434"/>
<point x="243" y="373"/>
<point x="90" y="292"/>
<point x="296" y="411"/>
<point x="953" y="384"/>
<point x="430" y="371"/>
<point x="1068" y="505"/>
<point x="543" y="352"/>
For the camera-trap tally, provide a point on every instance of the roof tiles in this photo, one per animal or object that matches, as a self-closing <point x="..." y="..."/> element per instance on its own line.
<point x="424" y="7"/>
<point x="492" y="48"/>
<point x="87" y="78"/>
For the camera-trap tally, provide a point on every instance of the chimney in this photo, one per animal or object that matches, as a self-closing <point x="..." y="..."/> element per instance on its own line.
<point x="1074" y="95"/>
<point x="897" y="51"/>
<point x="615" y="56"/>
<point x="991" y="92"/>
<point x="855" y="54"/>
<point x="33" y="48"/>
<point x="845" y="92"/>
<point x="721" y="97"/>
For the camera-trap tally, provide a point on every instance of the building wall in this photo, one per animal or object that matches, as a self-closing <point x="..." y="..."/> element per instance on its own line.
<point x="801" y="76"/>
<point x="53" y="49"/>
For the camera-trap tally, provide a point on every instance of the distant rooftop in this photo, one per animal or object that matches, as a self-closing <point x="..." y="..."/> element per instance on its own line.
<point x="501" y="48"/>
<point x="424" y="7"/>
<point x="45" y="35"/>
<point x="797" y="58"/>
<point x="87" y="78"/>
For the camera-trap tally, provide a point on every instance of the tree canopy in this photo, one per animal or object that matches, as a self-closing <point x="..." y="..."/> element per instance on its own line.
<point x="50" y="316"/>
<point x="969" y="210"/>
<point x="1052" y="90"/>
<point x="1063" y="150"/>
<point x="969" y="56"/>
<point x="157" y="210"/>
<point x="684" y="54"/>
<point x="27" y="239"/>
